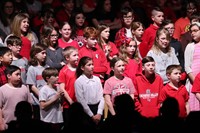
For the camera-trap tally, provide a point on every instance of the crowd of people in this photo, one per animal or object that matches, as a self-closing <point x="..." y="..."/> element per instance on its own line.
<point x="99" y="66"/>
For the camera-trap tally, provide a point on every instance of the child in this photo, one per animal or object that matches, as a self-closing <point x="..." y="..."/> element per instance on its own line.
<point x="196" y="87"/>
<point x="127" y="17"/>
<point x="6" y="60"/>
<point x="92" y="50"/>
<point x="15" y="43"/>
<point x="49" y="38"/>
<point x="65" y="39"/>
<point x="157" y="16"/>
<point x="176" y="90"/>
<point x="148" y="85"/>
<point x="12" y="92"/>
<point x="129" y="54"/>
<point x="66" y="79"/>
<point x="50" y="100"/>
<point x="137" y="29"/>
<point x="89" y="91"/>
<point x="163" y="53"/>
<point x="117" y="84"/>
<point x="34" y="75"/>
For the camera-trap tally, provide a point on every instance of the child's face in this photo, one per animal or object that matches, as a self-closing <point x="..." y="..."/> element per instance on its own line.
<point x="88" y="68"/>
<point x="175" y="76"/>
<point x="158" y="17"/>
<point x="170" y="28"/>
<point x="131" y="48"/>
<point x="149" y="68"/>
<point x="66" y="31"/>
<point x="73" y="58"/>
<point x="119" y="68"/>
<point x="15" y="48"/>
<point x="15" y="77"/>
<point x="128" y="18"/>
<point x="41" y="56"/>
<point x="163" y="42"/>
<point x="24" y="25"/>
<point x="80" y="19"/>
<point x="53" y="80"/>
<point x="54" y="37"/>
<point x="7" y="58"/>
<point x="105" y="34"/>
<point x="91" y="42"/>
<point x="195" y="33"/>
<point x="138" y="32"/>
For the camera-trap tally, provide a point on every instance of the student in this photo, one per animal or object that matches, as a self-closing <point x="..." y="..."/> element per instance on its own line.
<point x="137" y="30"/>
<point x="6" y="60"/>
<point x="163" y="53"/>
<point x="11" y="93"/>
<point x="176" y="90"/>
<point x="66" y="80"/>
<point x="92" y="50"/>
<point x="15" y="44"/>
<point x="157" y="16"/>
<point x="50" y="100"/>
<point x="196" y="87"/>
<point x="89" y="91"/>
<point x="127" y="17"/>
<point x="34" y="75"/>
<point x="129" y="54"/>
<point x="148" y="85"/>
<point x="49" y="37"/>
<point x="117" y="84"/>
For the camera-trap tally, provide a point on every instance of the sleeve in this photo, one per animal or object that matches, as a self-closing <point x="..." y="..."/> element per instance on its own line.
<point x="50" y="63"/>
<point x="80" y="97"/>
<point x="137" y="99"/>
<point x="188" y="55"/>
<point x="107" y="88"/>
<point x="177" y="30"/>
<point x="42" y="94"/>
<point x="31" y="76"/>
<point x="120" y="38"/>
<point x="61" y="76"/>
<point x="104" y="64"/>
<point x="132" y="87"/>
<point x="174" y="57"/>
<point x="162" y="96"/>
<point x="196" y="84"/>
<point x="102" y="101"/>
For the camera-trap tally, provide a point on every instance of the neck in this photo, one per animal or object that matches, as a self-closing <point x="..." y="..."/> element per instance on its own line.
<point x="174" y="85"/>
<point x="119" y="76"/>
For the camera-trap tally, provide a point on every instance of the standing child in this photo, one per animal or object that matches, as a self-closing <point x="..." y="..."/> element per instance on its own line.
<point x="175" y="89"/>
<point x="66" y="79"/>
<point x="89" y="91"/>
<point x="11" y="93"/>
<point x="50" y="100"/>
<point x="148" y="85"/>
<point x="117" y="84"/>
<point x="5" y="60"/>
<point x="15" y="44"/>
<point x="34" y="75"/>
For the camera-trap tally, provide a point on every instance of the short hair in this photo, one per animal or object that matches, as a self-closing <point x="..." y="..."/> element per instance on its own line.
<point x="89" y="32"/>
<point x="11" y="69"/>
<point x="14" y="40"/>
<point x="48" y="72"/>
<point x="156" y="9"/>
<point x="170" y="68"/>
<point x="147" y="59"/>
<point x="4" y="50"/>
<point x="166" y="22"/>
<point x="114" y="60"/>
<point x="68" y="50"/>
<point x="125" y="10"/>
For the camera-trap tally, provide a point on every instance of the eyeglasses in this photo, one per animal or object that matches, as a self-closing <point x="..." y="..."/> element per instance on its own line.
<point x="54" y="35"/>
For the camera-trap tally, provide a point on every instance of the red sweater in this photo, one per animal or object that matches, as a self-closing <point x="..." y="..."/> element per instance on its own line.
<point x="147" y="95"/>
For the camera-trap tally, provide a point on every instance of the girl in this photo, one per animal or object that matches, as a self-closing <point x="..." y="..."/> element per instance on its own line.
<point x="163" y="53"/>
<point x="20" y="28"/>
<point x="192" y="58"/>
<point x="117" y="84"/>
<point x="137" y="29"/>
<point x="89" y="91"/>
<point x="49" y="38"/>
<point x="77" y="22"/>
<point x="129" y="54"/>
<point x="65" y="39"/>
<point x="34" y="75"/>
<point x="107" y="46"/>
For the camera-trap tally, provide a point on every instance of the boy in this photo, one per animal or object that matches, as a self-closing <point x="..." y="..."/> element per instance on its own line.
<point x="15" y="44"/>
<point x="67" y="78"/>
<point x="148" y="85"/>
<point x="5" y="60"/>
<point x="124" y="33"/>
<point x="50" y="100"/>
<point x="92" y="50"/>
<point x="176" y="90"/>
<point x="157" y="16"/>
<point x="12" y="92"/>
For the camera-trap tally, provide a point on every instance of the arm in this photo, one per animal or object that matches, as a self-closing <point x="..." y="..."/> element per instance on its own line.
<point x="34" y="90"/>
<point x="3" y="125"/>
<point x="66" y="95"/>
<point x="109" y="103"/>
<point x="187" y="107"/>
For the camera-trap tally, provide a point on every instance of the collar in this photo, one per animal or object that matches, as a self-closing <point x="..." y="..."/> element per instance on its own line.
<point x="87" y="80"/>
